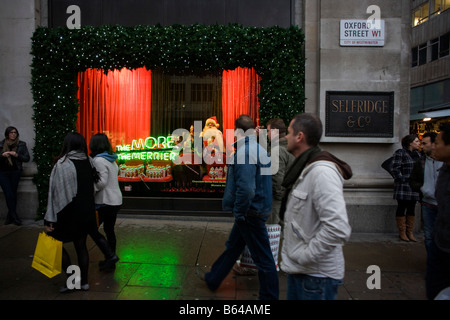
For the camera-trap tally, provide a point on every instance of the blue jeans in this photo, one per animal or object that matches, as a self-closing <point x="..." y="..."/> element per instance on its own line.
<point x="251" y="232"/>
<point x="9" y="181"/>
<point x="305" y="287"/>
<point x="429" y="217"/>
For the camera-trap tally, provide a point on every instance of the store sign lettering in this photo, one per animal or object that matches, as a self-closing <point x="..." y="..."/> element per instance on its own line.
<point x="145" y="149"/>
<point x="149" y="143"/>
<point x="359" y="114"/>
<point x="368" y="32"/>
<point x="166" y="156"/>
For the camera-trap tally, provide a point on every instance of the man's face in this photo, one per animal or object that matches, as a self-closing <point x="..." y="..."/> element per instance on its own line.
<point x="291" y="139"/>
<point x="441" y="150"/>
<point x="427" y="146"/>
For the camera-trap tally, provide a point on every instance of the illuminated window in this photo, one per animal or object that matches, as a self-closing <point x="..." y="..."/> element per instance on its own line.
<point x="445" y="5"/>
<point x="421" y="14"/>
<point x="439" y="6"/>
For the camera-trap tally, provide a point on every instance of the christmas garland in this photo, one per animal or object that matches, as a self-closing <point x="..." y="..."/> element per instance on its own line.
<point x="60" y="53"/>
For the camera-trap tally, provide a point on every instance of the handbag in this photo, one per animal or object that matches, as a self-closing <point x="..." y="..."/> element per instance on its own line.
<point x="387" y="165"/>
<point x="48" y="255"/>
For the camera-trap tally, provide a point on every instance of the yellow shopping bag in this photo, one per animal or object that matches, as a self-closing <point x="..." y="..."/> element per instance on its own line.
<point x="48" y="255"/>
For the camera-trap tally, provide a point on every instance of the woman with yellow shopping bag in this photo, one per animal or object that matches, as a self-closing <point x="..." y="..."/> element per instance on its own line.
<point x="71" y="206"/>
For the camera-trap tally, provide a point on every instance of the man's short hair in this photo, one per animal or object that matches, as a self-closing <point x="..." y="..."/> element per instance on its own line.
<point x="432" y="136"/>
<point x="445" y="129"/>
<point x="244" y="122"/>
<point x="310" y="125"/>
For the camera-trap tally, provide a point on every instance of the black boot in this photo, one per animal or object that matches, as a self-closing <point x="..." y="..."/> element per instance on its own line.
<point x="110" y="256"/>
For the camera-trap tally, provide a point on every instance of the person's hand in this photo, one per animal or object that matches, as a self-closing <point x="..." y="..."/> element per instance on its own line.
<point x="258" y="128"/>
<point x="6" y="154"/>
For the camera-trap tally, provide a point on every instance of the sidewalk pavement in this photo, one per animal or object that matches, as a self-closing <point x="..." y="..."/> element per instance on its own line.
<point x="159" y="257"/>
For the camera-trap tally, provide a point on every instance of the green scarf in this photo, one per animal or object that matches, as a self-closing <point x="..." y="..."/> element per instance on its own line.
<point x="294" y="172"/>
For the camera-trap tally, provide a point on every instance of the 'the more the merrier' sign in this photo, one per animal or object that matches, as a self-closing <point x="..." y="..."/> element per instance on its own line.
<point x="362" y="33"/>
<point x="359" y="114"/>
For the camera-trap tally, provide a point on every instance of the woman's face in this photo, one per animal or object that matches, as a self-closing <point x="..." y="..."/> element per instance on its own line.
<point x="415" y="144"/>
<point x="12" y="135"/>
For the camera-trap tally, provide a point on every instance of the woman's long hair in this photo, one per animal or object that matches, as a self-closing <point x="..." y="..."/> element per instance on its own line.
<point x="406" y="140"/>
<point x="100" y="143"/>
<point x="73" y="141"/>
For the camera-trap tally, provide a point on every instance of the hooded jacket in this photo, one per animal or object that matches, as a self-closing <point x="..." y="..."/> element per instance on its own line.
<point x="316" y="222"/>
<point x="107" y="190"/>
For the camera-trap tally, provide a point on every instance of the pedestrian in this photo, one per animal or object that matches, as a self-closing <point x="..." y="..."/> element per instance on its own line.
<point x="402" y="165"/>
<point x="14" y="152"/>
<point x="281" y="159"/>
<point x="423" y="180"/>
<point x="281" y="163"/>
<point x="70" y="215"/>
<point x="108" y="197"/>
<point x="438" y="261"/>
<point x="315" y="217"/>
<point x="248" y="195"/>
<point x="71" y="207"/>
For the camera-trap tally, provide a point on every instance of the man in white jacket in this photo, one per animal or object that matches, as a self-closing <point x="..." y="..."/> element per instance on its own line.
<point x="315" y="215"/>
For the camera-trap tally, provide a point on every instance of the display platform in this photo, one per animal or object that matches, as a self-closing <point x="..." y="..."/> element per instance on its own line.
<point x="178" y="206"/>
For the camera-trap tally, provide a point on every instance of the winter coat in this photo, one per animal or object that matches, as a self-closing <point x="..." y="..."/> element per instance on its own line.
<point x="249" y="181"/>
<point x="107" y="190"/>
<point x="402" y="167"/>
<point x="316" y="222"/>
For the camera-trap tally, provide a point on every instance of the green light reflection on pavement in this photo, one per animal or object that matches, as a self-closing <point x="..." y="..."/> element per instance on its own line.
<point x="159" y="265"/>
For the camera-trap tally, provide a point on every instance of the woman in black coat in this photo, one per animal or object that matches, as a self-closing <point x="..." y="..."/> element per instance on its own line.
<point x="13" y="153"/>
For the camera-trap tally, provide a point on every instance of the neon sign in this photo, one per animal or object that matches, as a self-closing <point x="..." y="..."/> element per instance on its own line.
<point x="149" y="143"/>
<point x="144" y="149"/>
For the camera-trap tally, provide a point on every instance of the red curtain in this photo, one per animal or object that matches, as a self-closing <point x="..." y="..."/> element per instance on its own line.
<point x="240" y="89"/>
<point x="117" y="103"/>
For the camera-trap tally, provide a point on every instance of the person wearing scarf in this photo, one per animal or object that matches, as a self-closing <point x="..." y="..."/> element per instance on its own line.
<point x="13" y="153"/>
<point x="70" y="215"/>
<point x="315" y="216"/>
<point x="108" y="197"/>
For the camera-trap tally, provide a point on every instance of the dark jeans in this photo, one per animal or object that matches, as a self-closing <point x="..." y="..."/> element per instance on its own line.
<point x="251" y="232"/>
<point x="108" y="216"/>
<point x="438" y="271"/>
<point x="305" y="287"/>
<point x="9" y="181"/>
<point x="429" y="214"/>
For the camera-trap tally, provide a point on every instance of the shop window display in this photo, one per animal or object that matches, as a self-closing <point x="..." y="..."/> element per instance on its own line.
<point x="167" y="129"/>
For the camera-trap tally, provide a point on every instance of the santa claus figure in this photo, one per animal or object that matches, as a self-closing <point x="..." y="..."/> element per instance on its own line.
<point x="212" y="136"/>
